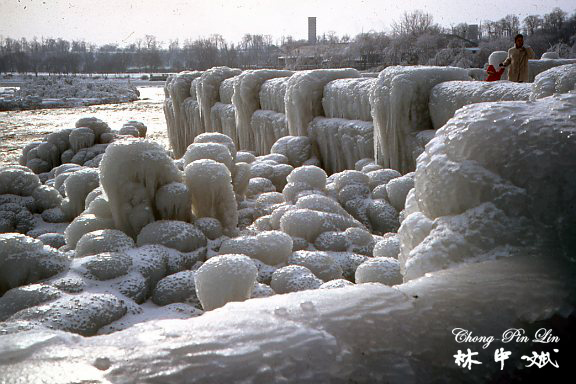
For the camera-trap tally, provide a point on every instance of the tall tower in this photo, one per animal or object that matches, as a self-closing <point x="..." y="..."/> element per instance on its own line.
<point x="311" y="30"/>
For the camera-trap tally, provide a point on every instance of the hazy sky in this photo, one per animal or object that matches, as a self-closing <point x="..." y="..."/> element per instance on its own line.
<point x="124" y="21"/>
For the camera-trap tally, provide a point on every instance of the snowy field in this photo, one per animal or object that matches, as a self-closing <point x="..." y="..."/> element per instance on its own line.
<point x="304" y="227"/>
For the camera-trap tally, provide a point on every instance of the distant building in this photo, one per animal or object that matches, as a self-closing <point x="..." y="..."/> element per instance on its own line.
<point x="311" y="30"/>
<point x="473" y="32"/>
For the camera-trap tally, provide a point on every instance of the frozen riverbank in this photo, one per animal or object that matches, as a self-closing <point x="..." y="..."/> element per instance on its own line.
<point x="18" y="128"/>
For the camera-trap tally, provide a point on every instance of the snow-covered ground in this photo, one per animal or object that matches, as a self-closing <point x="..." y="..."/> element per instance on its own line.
<point x="222" y="265"/>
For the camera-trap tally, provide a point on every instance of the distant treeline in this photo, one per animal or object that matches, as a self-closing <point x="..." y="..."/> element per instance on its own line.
<point x="415" y="39"/>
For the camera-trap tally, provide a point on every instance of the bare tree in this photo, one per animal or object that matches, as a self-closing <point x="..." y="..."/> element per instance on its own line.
<point x="414" y="23"/>
<point x="532" y="23"/>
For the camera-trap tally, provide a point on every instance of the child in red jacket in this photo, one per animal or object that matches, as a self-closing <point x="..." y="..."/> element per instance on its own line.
<point x="493" y="74"/>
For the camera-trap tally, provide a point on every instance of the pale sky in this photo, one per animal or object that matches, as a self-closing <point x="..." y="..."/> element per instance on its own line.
<point x="124" y="21"/>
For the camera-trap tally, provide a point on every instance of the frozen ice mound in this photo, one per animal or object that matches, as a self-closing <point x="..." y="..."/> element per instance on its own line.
<point x="319" y="263"/>
<point x="208" y="91"/>
<point x="484" y="185"/>
<point x="22" y="197"/>
<point x="270" y="247"/>
<point x="560" y="79"/>
<point x="83" y="145"/>
<point x="446" y="98"/>
<point x="225" y="278"/>
<point x="178" y="89"/>
<point x="108" y="265"/>
<point x="211" y="191"/>
<point x="299" y="150"/>
<point x="272" y="93"/>
<point x="384" y="270"/>
<point x="19" y="298"/>
<point x="294" y="278"/>
<point x="131" y="173"/>
<point x="25" y="260"/>
<point x="399" y="100"/>
<point x="179" y="235"/>
<point x="176" y="288"/>
<point x="84" y="314"/>
<point x="107" y="240"/>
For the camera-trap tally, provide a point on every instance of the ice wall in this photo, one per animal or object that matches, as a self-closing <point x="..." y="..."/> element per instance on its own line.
<point x="223" y="113"/>
<point x="246" y="99"/>
<point x="400" y="110"/>
<point x="342" y="142"/>
<point x="304" y="93"/>
<point x="208" y="91"/>
<point x="178" y="88"/>
<point x="268" y="127"/>
<point x="446" y="98"/>
<point x="348" y="99"/>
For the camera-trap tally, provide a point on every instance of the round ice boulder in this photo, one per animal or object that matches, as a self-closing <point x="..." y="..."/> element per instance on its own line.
<point x="105" y="240"/>
<point x="397" y="190"/>
<point x="179" y="235"/>
<point x="81" y="138"/>
<point x="320" y="263"/>
<point x="17" y="180"/>
<point x="108" y="265"/>
<point x="313" y="176"/>
<point x="25" y="260"/>
<point x="294" y="278"/>
<point x="389" y="246"/>
<point x="225" y="278"/>
<point x="176" y="288"/>
<point x="385" y="270"/>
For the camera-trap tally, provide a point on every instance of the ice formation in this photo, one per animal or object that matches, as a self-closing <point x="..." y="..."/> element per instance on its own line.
<point x="25" y="260"/>
<point x="179" y="235"/>
<point x="446" y="98"/>
<point x="560" y="79"/>
<point x="83" y="145"/>
<point x="384" y="270"/>
<point x="178" y="88"/>
<point x="108" y="240"/>
<point x="270" y="247"/>
<point x="21" y="196"/>
<point x="208" y="91"/>
<point x="475" y="198"/>
<point x="294" y="278"/>
<point x="299" y="150"/>
<point x="304" y="93"/>
<point x="223" y="279"/>
<point x="211" y="192"/>
<point x="342" y="142"/>
<point x="535" y="67"/>
<point x="131" y="173"/>
<point x="399" y="100"/>
<point x="348" y="99"/>
<point x="246" y="99"/>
